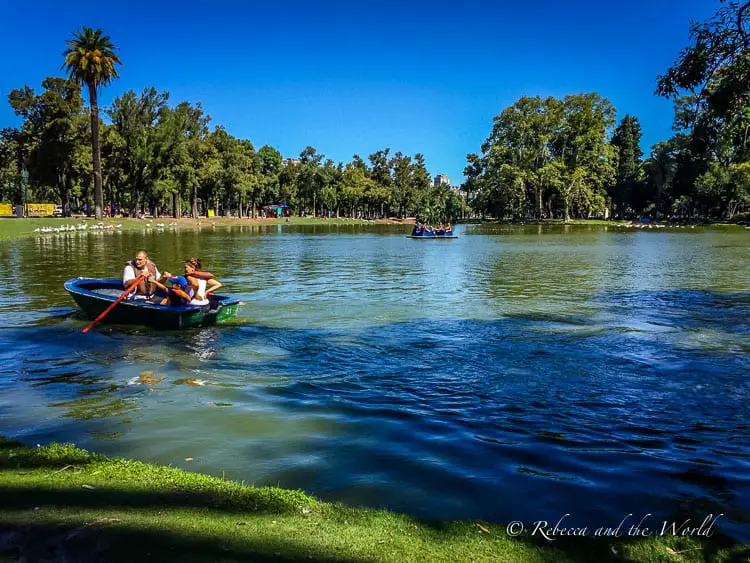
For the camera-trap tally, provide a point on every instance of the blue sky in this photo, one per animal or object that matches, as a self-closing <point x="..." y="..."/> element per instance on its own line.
<point x="351" y="78"/>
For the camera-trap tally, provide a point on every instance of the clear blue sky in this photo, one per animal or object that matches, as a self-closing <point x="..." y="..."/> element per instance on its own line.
<point x="348" y="78"/>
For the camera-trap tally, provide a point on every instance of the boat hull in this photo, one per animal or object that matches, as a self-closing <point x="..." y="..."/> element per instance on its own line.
<point x="86" y="292"/>
<point x="432" y="237"/>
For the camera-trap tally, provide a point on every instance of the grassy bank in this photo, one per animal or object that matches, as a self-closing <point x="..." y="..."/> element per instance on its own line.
<point x="13" y="228"/>
<point x="59" y="503"/>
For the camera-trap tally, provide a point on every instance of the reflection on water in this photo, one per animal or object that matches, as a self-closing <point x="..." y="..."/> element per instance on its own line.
<point x="593" y="372"/>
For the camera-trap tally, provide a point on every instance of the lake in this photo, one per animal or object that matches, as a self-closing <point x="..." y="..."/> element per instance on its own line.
<point x="516" y="373"/>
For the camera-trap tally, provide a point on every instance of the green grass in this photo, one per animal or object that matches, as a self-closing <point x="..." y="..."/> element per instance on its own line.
<point x="60" y="503"/>
<point x="595" y="222"/>
<point x="13" y="228"/>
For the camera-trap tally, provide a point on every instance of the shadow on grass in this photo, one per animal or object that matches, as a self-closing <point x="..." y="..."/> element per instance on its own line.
<point x="55" y="542"/>
<point x="73" y="523"/>
<point x="55" y="538"/>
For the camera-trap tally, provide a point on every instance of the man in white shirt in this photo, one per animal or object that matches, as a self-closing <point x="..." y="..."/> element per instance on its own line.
<point x="142" y="266"/>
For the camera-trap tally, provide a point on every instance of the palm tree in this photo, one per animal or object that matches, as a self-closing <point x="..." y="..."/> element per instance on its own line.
<point x="90" y="59"/>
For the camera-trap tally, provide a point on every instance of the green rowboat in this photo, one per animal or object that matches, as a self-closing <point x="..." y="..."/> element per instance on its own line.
<point x="94" y="295"/>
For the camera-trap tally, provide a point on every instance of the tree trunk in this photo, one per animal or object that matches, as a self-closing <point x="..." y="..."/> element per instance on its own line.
<point x="195" y="202"/>
<point x="175" y="213"/>
<point x="96" y="152"/>
<point x="539" y="203"/>
<point x="65" y="197"/>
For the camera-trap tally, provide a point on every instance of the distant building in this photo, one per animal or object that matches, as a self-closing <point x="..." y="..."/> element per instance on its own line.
<point x="290" y="162"/>
<point x="442" y="180"/>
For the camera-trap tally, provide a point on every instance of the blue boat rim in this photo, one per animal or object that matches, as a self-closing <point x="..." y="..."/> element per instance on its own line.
<point x="74" y="285"/>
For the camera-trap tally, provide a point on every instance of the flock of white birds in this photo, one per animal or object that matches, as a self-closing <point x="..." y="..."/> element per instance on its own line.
<point x="95" y="227"/>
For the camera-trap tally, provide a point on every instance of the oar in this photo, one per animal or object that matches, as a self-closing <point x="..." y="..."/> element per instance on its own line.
<point x="108" y="309"/>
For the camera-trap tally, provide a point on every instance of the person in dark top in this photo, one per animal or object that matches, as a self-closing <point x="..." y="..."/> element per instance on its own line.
<point x="180" y="292"/>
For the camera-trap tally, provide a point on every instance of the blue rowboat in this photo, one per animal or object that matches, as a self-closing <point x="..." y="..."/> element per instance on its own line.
<point x="94" y="295"/>
<point x="430" y="237"/>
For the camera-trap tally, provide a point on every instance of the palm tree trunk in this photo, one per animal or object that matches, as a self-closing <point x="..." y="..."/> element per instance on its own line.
<point x="96" y="152"/>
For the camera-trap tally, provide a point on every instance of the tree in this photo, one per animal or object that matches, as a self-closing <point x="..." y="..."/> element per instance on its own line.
<point x="310" y="178"/>
<point x="540" y="147"/>
<point x="403" y="192"/>
<point x="473" y="184"/>
<point x="90" y="59"/>
<point x="627" y="139"/>
<point x="661" y="167"/>
<point x="716" y="65"/>
<point x="237" y="179"/>
<point x="520" y="138"/>
<point x="51" y="128"/>
<point x="710" y="83"/>
<point x="13" y="149"/>
<point x="135" y="118"/>
<point x="581" y="146"/>
<point x="268" y="166"/>
<point x="380" y="173"/>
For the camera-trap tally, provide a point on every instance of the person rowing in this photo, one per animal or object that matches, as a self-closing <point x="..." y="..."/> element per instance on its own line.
<point x="146" y="289"/>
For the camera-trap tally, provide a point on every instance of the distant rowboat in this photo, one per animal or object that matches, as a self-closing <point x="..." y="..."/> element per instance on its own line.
<point x="430" y="237"/>
<point x="94" y="295"/>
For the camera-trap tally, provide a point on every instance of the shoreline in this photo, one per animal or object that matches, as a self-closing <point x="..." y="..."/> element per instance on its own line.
<point x="58" y="499"/>
<point x="12" y="228"/>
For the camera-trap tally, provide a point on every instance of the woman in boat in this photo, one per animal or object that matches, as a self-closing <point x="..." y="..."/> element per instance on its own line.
<point x="202" y="283"/>
<point x="440" y="231"/>
<point x="417" y="230"/>
<point x="448" y="230"/>
<point x="426" y="230"/>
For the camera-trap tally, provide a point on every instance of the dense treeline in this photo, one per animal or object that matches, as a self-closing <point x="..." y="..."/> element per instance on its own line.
<point x="544" y="158"/>
<point x="160" y="158"/>
<point x="552" y="158"/>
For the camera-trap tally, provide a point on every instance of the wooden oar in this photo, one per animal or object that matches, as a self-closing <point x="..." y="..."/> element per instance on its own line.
<point x="108" y="309"/>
